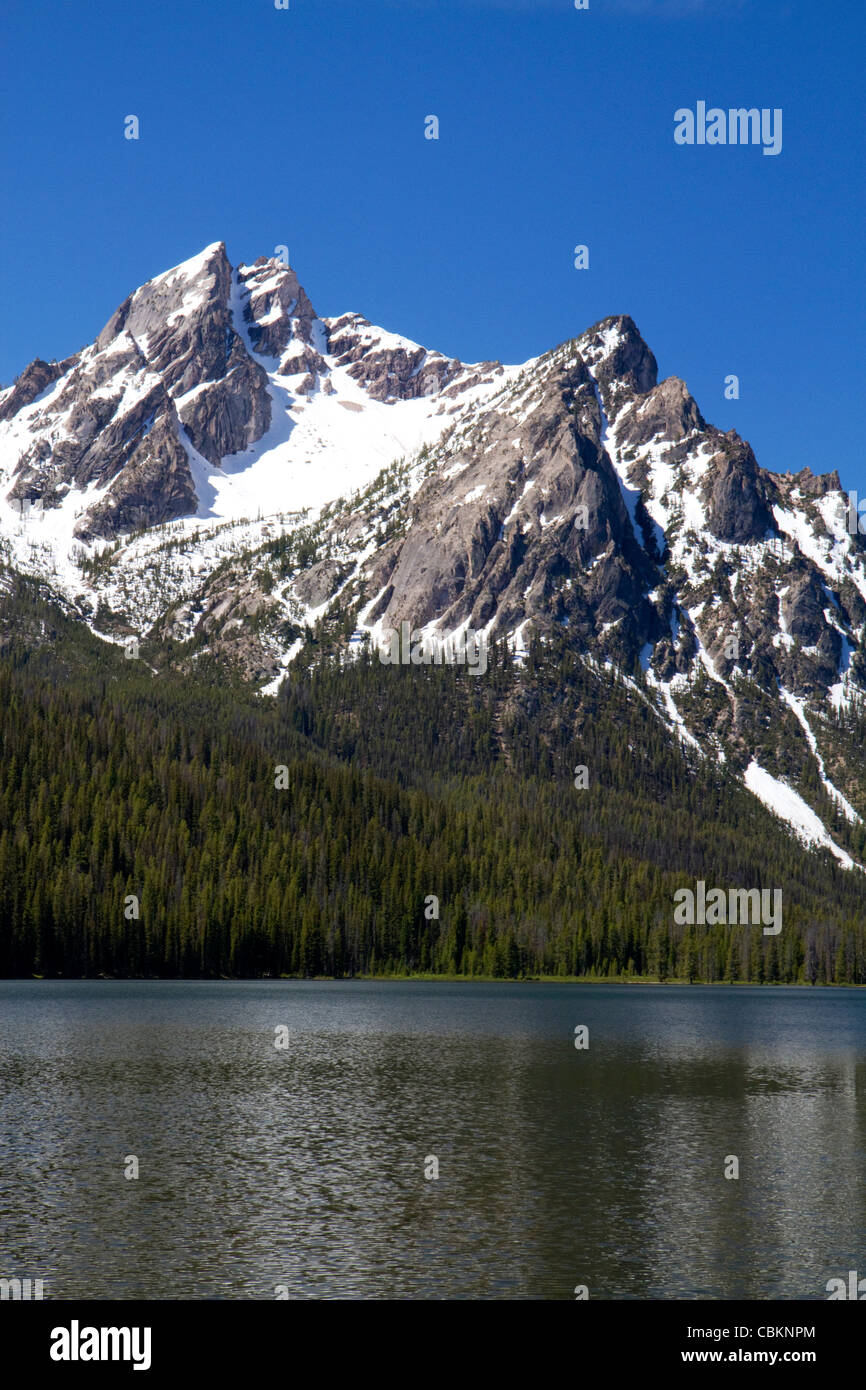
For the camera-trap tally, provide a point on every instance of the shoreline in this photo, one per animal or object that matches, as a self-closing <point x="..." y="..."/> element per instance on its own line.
<point x="430" y="979"/>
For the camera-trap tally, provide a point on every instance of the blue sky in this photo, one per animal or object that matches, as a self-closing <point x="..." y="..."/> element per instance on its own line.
<point x="305" y="127"/>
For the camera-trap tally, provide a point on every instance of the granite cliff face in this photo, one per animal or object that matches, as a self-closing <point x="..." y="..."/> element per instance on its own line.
<point x="223" y="471"/>
<point x="522" y="521"/>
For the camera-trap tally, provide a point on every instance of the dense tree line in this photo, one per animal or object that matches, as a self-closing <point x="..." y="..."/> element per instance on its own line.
<point x="143" y="830"/>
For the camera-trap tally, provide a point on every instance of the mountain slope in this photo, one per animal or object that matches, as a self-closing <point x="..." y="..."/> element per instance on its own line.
<point x="228" y="477"/>
<point x="422" y="823"/>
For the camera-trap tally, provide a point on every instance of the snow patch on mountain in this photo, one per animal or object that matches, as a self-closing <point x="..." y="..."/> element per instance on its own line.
<point x="799" y="708"/>
<point x="780" y="798"/>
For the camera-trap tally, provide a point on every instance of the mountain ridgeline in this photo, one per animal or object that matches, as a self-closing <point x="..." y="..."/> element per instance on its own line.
<point x="211" y="521"/>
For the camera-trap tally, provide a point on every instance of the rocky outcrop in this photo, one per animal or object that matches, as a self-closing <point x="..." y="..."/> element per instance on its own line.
<point x="278" y="310"/>
<point x="526" y="522"/>
<point x="108" y="404"/>
<point x="667" y="411"/>
<point x="811" y="484"/>
<point x="620" y="360"/>
<point x="31" y="383"/>
<point x="737" y="494"/>
<point x="387" y="367"/>
<point x="229" y="415"/>
<point x="154" y="486"/>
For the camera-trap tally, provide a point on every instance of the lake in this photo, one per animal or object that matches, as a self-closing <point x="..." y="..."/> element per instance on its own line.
<point x="307" y="1168"/>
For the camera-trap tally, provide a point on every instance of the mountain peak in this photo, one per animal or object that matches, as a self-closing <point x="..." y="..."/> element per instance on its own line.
<point x="188" y="290"/>
<point x="620" y="361"/>
<point x="281" y="319"/>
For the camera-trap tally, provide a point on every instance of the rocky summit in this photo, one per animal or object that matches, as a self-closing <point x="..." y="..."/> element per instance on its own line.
<point x="224" y="472"/>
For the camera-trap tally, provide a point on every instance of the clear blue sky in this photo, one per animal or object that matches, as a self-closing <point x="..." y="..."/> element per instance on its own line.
<point x="305" y="127"/>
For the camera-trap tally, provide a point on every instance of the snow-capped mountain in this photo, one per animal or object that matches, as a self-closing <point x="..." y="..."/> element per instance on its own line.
<point x="194" y="401"/>
<point x="223" y="470"/>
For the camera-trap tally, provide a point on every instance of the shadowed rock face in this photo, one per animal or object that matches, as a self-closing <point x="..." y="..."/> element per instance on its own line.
<point x="231" y="414"/>
<point x="532" y="525"/>
<point x="811" y="664"/>
<point x="737" y="495"/>
<point x="803" y="604"/>
<point x="114" y="418"/>
<point x="155" y="487"/>
<point x="181" y="321"/>
<point x="31" y="383"/>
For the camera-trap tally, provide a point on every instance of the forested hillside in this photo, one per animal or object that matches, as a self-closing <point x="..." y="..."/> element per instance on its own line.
<point x="142" y="830"/>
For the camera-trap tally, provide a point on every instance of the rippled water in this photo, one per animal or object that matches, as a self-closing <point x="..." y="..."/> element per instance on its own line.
<point x="305" y="1167"/>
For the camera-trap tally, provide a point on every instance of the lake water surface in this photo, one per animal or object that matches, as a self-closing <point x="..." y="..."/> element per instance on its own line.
<point x="304" y="1167"/>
